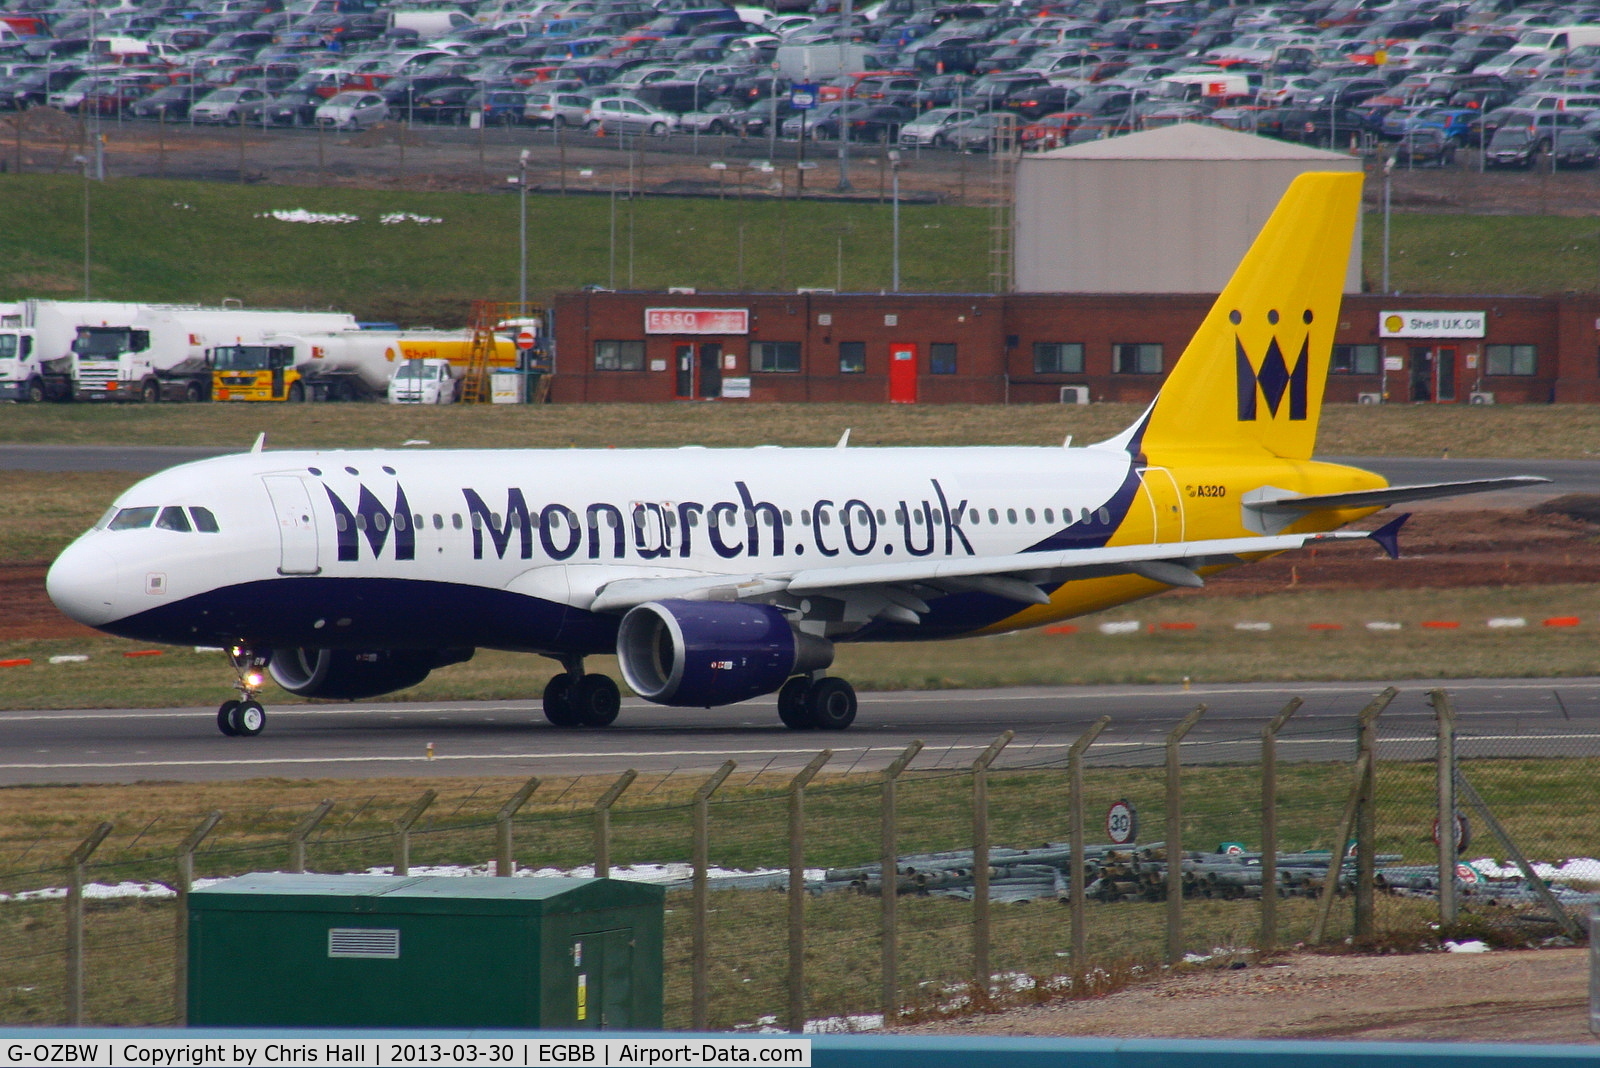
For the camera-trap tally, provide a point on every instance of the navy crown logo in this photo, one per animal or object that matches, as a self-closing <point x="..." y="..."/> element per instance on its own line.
<point x="1274" y="378"/>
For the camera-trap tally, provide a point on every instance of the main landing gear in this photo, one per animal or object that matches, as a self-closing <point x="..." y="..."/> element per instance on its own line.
<point x="244" y="718"/>
<point x="576" y="699"/>
<point x="824" y="704"/>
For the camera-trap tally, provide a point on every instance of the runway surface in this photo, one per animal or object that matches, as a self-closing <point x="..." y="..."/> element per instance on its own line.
<point x="1528" y="717"/>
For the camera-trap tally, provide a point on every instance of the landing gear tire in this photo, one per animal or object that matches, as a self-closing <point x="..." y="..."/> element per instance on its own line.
<point x="249" y="719"/>
<point x="595" y="701"/>
<point x="225" y="718"/>
<point x="792" y="704"/>
<point x="831" y="704"/>
<point x="559" y="708"/>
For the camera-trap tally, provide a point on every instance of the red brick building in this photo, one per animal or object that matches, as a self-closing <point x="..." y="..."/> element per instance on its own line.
<point x="1043" y="348"/>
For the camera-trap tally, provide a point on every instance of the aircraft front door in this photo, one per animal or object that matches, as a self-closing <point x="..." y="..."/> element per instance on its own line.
<point x="297" y="529"/>
<point x="902" y="373"/>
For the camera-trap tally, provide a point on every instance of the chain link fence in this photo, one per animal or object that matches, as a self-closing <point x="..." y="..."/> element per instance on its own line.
<point x="936" y="886"/>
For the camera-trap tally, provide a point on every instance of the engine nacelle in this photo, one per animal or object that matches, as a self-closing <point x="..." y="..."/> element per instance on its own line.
<point x="707" y="653"/>
<point x="351" y="674"/>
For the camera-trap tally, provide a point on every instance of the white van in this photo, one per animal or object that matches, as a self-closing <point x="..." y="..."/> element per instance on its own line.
<point x="1555" y="40"/>
<point x="422" y="382"/>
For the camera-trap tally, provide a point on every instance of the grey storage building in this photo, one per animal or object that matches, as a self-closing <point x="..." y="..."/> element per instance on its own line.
<point x="1169" y="210"/>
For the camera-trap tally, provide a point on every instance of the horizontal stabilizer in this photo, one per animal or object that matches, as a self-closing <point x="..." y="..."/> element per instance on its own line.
<point x="1379" y="498"/>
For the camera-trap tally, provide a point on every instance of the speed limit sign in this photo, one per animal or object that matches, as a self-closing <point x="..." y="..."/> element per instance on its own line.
<point x="1122" y="822"/>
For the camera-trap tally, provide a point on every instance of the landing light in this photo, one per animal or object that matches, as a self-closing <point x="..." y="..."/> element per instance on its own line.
<point x="254" y="678"/>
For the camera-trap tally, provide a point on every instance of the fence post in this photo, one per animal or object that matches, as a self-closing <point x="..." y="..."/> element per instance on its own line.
<point x="75" y="874"/>
<point x="702" y="860"/>
<point x="1079" y="868"/>
<point x="1175" y="836"/>
<point x="180" y="963"/>
<point x="402" y="831"/>
<point x="602" y="823"/>
<point x="1269" y="827"/>
<point x="504" y="863"/>
<point x="302" y="831"/>
<point x="1446" y="781"/>
<point x="1330" y="881"/>
<point x="1367" y="813"/>
<point x="797" y="890"/>
<point x="889" y="884"/>
<point x="980" y="864"/>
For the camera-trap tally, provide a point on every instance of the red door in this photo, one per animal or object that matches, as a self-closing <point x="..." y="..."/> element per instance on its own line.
<point x="902" y="373"/>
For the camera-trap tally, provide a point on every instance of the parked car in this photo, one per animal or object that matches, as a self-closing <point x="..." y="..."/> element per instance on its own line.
<point x="872" y="123"/>
<point x="1423" y="146"/>
<point x="294" y="107"/>
<point x="170" y="103"/>
<point x="352" y="110"/>
<point x="715" y="118"/>
<point x="232" y="105"/>
<point x="554" y="108"/>
<point x="1575" y="149"/>
<point x="446" y="105"/>
<point x="928" y="128"/>
<point x="1514" y="146"/>
<point x="620" y="114"/>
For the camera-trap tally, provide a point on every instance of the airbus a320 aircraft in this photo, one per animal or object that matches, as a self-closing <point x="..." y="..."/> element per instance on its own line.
<point x="721" y="575"/>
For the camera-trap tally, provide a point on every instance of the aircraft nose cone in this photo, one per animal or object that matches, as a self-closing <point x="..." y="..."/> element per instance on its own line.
<point x="82" y="583"/>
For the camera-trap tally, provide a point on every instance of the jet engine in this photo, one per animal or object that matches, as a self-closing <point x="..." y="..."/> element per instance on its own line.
<point x="350" y="674"/>
<point x="707" y="653"/>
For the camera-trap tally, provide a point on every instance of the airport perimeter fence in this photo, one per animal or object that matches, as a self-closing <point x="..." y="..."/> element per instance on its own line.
<point x="1077" y="895"/>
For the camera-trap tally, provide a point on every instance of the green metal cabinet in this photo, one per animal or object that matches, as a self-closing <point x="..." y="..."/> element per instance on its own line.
<point x="380" y="951"/>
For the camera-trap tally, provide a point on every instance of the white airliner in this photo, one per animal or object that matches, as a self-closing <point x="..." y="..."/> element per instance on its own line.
<point x="721" y="575"/>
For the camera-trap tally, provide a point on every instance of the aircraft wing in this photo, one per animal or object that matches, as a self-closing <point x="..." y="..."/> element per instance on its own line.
<point x="902" y="586"/>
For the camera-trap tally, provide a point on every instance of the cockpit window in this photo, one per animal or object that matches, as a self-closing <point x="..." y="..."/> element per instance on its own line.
<point x="134" y="518"/>
<point x="204" y="521"/>
<point x="105" y="520"/>
<point x="173" y="519"/>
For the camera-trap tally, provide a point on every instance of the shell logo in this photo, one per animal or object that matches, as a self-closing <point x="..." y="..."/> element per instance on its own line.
<point x="1394" y="324"/>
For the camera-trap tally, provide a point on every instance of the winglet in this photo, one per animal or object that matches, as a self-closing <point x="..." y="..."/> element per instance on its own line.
<point x="1388" y="535"/>
<point x="261" y="439"/>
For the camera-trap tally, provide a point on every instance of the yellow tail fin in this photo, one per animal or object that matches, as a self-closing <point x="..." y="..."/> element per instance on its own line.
<point x="1252" y="376"/>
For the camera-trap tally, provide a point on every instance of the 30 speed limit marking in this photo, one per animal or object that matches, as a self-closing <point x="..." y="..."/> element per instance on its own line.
<point x="1122" y="822"/>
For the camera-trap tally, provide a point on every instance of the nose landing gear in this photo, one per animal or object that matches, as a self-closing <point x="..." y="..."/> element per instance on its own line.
<point x="244" y="718"/>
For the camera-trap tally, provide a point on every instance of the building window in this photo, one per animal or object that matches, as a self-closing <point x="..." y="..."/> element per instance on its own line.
<point x="852" y="357"/>
<point x="941" y="358"/>
<point x="1357" y="360"/>
<point x="619" y="355"/>
<point x="775" y="356"/>
<point x="1136" y="359"/>
<point x="1511" y="359"/>
<point x="1057" y="358"/>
